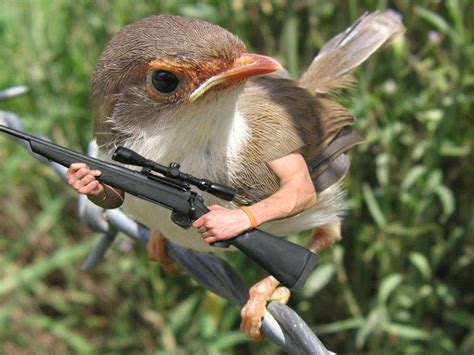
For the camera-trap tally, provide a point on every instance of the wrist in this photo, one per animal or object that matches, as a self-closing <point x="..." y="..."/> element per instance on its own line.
<point x="99" y="197"/>
<point x="109" y="198"/>
<point x="250" y="216"/>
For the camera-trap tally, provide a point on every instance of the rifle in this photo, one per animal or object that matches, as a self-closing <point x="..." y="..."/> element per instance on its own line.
<point x="289" y="263"/>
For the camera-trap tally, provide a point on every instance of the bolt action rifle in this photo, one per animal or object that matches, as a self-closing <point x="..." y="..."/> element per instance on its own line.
<point x="289" y="263"/>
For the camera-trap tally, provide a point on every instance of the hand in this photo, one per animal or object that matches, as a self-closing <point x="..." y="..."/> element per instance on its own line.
<point x="221" y="223"/>
<point x="84" y="181"/>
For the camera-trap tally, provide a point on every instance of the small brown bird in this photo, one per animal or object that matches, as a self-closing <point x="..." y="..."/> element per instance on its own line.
<point x="180" y="89"/>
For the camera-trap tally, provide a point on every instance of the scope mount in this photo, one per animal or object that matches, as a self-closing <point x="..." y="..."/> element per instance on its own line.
<point x="130" y="157"/>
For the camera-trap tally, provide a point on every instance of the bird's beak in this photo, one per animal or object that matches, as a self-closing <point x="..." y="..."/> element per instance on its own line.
<point x="244" y="67"/>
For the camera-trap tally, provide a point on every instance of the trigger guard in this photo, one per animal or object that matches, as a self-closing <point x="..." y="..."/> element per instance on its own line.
<point x="181" y="220"/>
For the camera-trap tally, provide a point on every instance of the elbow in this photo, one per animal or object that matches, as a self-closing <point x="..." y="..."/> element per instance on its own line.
<point x="308" y="193"/>
<point x="314" y="198"/>
<point x="311" y="197"/>
<point x="307" y="198"/>
<point x="298" y="197"/>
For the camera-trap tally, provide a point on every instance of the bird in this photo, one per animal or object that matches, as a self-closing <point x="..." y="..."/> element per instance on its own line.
<point x="179" y="89"/>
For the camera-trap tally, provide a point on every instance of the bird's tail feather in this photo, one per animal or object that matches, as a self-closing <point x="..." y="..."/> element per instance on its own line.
<point x="332" y="67"/>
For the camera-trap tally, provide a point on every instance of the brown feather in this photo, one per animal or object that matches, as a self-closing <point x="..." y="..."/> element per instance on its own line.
<point x="332" y="68"/>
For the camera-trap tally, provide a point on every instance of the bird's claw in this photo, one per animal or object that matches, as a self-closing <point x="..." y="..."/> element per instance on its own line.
<point x="253" y="312"/>
<point x="324" y="237"/>
<point x="157" y="251"/>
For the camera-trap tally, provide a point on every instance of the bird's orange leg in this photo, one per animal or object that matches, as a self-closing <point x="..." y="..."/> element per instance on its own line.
<point x="252" y="313"/>
<point x="267" y="289"/>
<point x="157" y="251"/>
<point x="320" y="241"/>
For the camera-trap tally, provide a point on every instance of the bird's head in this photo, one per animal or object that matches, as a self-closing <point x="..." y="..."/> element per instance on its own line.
<point x="159" y="67"/>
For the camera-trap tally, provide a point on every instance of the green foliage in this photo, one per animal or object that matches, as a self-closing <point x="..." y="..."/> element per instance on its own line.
<point x="399" y="282"/>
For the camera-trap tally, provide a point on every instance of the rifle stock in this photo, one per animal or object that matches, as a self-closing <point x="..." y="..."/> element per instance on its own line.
<point x="289" y="263"/>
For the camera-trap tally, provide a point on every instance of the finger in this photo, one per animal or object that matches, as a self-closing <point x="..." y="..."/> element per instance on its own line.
<point x="96" y="172"/>
<point x="90" y="189"/>
<point x="207" y="234"/>
<point x="98" y="189"/>
<point x="198" y="222"/>
<point x="73" y="168"/>
<point x="87" y="179"/>
<point x="77" y="166"/>
<point x="82" y="172"/>
<point x="76" y="176"/>
<point x="215" y="207"/>
<point x="210" y="240"/>
<point x="78" y="184"/>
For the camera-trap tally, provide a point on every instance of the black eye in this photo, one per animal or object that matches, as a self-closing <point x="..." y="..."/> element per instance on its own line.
<point x="164" y="81"/>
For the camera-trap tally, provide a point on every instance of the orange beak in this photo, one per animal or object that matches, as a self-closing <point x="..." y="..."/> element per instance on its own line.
<point x="244" y="67"/>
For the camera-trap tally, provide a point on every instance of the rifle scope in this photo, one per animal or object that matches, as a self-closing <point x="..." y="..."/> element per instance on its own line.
<point x="130" y="157"/>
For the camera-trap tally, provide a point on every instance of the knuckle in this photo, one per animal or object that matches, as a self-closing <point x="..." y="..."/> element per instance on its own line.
<point x="83" y="190"/>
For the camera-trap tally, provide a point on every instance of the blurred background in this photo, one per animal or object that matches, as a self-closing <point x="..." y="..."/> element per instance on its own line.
<point x="401" y="280"/>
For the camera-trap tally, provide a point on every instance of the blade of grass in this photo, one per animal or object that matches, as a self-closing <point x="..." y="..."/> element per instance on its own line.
<point x="61" y="258"/>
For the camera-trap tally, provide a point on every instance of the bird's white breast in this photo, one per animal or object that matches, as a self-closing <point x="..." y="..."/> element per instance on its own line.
<point x="206" y="142"/>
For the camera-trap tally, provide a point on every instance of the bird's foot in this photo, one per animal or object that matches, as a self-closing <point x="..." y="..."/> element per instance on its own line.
<point x="253" y="312"/>
<point x="157" y="251"/>
<point x="324" y="237"/>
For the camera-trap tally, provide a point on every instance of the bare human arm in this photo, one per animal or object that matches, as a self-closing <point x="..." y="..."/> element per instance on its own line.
<point x="84" y="181"/>
<point x="296" y="193"/>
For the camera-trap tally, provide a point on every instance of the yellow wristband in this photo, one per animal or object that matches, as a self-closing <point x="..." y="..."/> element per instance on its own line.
<point x="249" y="213"/>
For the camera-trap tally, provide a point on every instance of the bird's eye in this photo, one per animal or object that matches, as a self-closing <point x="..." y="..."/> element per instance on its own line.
<point x="164" y="81"/>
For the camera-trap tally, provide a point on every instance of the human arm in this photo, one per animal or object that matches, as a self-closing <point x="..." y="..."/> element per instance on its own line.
<point x="296" y="193"/>
<point x="84" y="181"/>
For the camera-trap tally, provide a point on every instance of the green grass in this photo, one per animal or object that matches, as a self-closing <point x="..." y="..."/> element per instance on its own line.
<point x="399" y="282"/>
